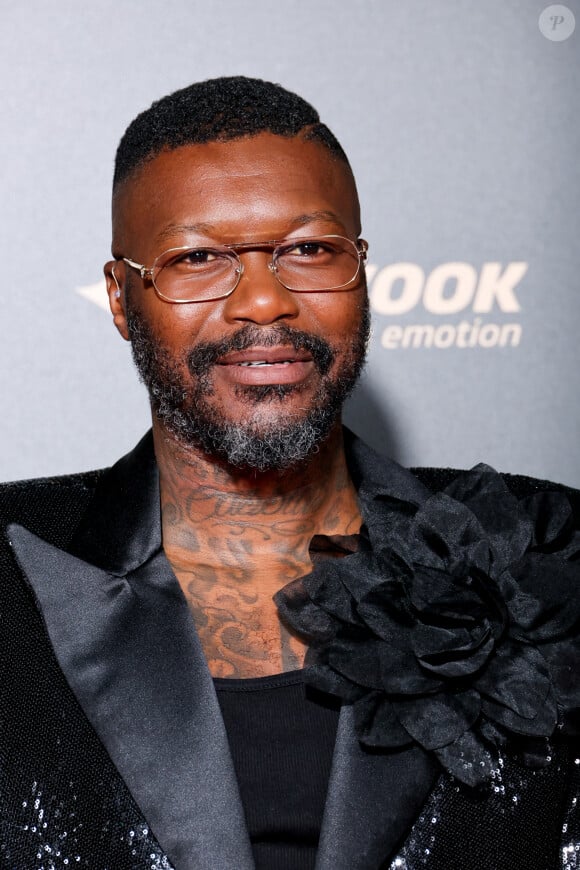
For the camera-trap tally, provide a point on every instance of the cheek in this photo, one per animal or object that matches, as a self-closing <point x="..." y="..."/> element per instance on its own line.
<point x="336" y="316"/>
<point x="176" y="327"/>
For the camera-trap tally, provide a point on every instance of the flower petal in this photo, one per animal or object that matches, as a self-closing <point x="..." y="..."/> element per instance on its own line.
<point x="363" y="668"/>
<point x="453" y="653"/>
<point x="387" y="519"/>
<point x="481" y="480"/>
<point x="563" y="660"/>
<point x="504" y="519"/>
<point x="328" y="590"/>
<point x="436" y="721"/>
<point x="387" y="612"/>
<point x="466" y="599"/>
<point x="377" y="724"/>
<point x="402" y="675"/>
<point x="545" y="604"/>
<point x="553" y="519"/>
<point x="517" y="679"/>
<point x="443" y="528"/>
<point x="437" y="595"/>
<point x="300" y="613"/>
<point x="542" y="725"/>
<point x="324" y="678"/>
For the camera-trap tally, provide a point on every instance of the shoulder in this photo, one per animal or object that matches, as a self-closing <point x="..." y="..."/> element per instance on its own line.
<point x="49" y="506"/>
<point x="48" y="489"/>
<point x="522" y="486"/>
<point x="377" y="472"/>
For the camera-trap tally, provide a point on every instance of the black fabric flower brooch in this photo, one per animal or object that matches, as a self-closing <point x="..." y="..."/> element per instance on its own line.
<point x="456" y="624"/>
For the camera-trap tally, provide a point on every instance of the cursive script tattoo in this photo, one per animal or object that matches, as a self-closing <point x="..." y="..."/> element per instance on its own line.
<point x="234" y="543"/>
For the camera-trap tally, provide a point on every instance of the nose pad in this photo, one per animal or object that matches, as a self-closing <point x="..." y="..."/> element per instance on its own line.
<point x="258" y="296"/>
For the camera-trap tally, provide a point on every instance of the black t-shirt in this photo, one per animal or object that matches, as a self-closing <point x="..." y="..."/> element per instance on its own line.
<point x="282" y="737"/>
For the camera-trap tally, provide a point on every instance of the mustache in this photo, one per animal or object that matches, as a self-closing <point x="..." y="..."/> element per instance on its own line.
<point x="204" y="356"/>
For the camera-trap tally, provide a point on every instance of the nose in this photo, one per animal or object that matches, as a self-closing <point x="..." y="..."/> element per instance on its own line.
<point x="259" y="297"/>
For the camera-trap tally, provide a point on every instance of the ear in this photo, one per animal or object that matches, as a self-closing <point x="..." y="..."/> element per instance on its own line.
<point x="115" y="278"/>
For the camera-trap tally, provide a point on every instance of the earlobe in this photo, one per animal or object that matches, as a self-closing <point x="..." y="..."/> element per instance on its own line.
<point x="116" y="298"/>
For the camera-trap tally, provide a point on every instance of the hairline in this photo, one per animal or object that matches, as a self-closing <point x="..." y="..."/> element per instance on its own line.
<point x="308" y="133"/>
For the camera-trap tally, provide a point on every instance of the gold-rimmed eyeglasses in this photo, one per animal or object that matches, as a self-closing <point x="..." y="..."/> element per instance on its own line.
<point x="205" y="273"/>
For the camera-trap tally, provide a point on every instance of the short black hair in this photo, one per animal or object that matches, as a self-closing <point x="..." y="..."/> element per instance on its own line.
<point x="217" y="110"/>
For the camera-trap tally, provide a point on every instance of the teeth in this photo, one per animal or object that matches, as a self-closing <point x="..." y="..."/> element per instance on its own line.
<point x="263" y="363"/>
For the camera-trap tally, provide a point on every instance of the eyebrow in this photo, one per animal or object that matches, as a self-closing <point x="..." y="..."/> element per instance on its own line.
<point x="209" y="229"/>
<point x="183" y="228"/>
<point x="310" y="217"/>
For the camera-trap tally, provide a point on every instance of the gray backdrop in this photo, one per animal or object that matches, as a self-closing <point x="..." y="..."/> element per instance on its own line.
<point x="461" y="121"/>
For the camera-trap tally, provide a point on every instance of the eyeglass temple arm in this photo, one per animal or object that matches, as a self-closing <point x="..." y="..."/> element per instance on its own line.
<point x="143" y="270"/>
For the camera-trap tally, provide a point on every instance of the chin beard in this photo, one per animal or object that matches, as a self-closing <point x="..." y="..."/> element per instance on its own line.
<point x="187" y="414"/>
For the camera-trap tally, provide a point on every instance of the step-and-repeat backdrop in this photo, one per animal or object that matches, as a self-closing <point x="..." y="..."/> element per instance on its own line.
<point x="461" y="121"/>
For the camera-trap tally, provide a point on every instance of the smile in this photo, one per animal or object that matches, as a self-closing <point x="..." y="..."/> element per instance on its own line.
<point x="265" y="356"/>
<point x="257" y="366"/>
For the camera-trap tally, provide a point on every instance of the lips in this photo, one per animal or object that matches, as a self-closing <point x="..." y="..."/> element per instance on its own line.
<point x="265" y="356"/>
<point x="266" y="365"/>
<point x="259" y="356"/>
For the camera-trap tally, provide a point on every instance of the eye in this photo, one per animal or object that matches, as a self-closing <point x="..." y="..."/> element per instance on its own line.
<point x="309" y="248"/>
<point x="197" y="257"/>
<point x="192" y="262"/>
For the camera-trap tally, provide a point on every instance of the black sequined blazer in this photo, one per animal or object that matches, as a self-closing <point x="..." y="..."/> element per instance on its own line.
<point x="113" y="753"/>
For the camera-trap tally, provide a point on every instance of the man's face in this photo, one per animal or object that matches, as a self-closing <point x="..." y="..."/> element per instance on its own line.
<point x="198" y="359"/>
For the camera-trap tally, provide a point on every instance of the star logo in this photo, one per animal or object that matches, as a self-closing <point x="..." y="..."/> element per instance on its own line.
<point x="95" y="293"/>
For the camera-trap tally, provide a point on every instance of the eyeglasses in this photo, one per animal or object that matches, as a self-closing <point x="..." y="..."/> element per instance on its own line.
<point x="203" y="274"/>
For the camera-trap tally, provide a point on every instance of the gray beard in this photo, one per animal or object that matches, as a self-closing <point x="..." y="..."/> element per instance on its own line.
<point x="186" y="413"/>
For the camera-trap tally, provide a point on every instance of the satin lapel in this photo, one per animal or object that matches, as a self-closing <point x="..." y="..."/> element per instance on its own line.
<point x="129" y="650"/>
<point x="121" y="528"/>
<point x="373" y="800"/>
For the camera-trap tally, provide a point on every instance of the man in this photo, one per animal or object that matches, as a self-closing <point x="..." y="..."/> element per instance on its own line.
<point x="155" y="710"/>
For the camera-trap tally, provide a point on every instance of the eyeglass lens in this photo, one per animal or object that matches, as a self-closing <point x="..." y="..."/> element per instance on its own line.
<point x="303" y="265"/>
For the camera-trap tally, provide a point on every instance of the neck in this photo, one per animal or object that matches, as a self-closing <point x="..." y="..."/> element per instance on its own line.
<point x="278" y="510"/>
<point x="234" y="538"/>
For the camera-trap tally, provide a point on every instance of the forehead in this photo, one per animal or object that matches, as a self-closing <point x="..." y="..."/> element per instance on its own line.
<point x="263" y="186"/>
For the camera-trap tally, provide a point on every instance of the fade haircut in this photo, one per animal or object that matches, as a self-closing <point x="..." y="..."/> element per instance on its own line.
<point x="217" y="110"/>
